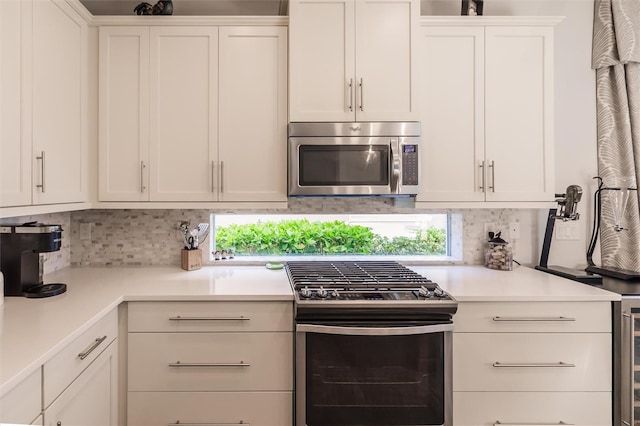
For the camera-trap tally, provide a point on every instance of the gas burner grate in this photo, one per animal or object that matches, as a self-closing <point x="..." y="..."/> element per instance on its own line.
<point x="347" y="274"/>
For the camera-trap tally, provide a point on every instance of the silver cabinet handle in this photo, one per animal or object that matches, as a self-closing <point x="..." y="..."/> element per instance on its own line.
<point x="483" y="176"/>
<point x="530" y="424"/>
<point x="528" y="319"/>
<point x="213" y="174"/>
<point x="221" y="176"/>
<point x="181" y="318"/>
<point x="42" y="159"/>
<point x="142" y="187"/>
<point x="492" y="166"/>
<point x="92" y="347"/>
<point x="209" y="364"/>
<point x="351" y="95"/>
<point x="361" y="85"/>
<point x="178" y="423"/>
<point x="534" y="364"/>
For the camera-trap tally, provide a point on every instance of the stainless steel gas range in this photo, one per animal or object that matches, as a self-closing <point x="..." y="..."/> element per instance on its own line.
<point x="373" y="345"/>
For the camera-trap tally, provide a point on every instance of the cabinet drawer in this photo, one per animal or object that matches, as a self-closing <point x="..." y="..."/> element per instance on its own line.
<point x="531" y="362"/>
<point x="210" y="316"/>
<point x="210" y="361"/>
<point x="22" y="403"/>
<point x="64" y="367"/>
<point x="210" y="408"/>
<point x="531" y="408"/>
<point x="551" y="317"/>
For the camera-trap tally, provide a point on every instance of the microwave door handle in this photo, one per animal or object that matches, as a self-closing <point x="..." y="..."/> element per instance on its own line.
<point x="395" y="166"/>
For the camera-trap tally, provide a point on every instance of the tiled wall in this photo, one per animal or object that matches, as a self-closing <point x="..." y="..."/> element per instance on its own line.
<point x="149" y="237"/>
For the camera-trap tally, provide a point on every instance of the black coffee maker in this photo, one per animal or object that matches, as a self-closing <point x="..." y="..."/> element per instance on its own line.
<point x="20" y="248"/>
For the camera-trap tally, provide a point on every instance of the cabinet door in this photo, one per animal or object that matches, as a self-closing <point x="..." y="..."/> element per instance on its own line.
<point x="253" y="114"/>
<point x="92" y="398"/>
<point x="519" y="113"/>
<point x="322" y="60"/>
<point x="23" y="403"/>
<point x="59" y="104"/>
<point x="124" y="114"/>
<point x="15" y="143"/>
<point x="452" y="114"/>
<point x="386" y="60"/>
<point x="532" y="408"/>
<point x="183" y="121"/>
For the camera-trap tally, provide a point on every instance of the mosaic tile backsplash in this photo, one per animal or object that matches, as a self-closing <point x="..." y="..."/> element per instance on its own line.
<point x="149" y="237"/>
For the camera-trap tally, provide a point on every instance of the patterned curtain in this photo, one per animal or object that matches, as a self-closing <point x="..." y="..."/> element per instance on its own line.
<point x="616" y="59"/>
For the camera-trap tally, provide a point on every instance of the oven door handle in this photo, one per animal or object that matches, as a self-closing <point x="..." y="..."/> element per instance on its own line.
<point x="374" y="331"/>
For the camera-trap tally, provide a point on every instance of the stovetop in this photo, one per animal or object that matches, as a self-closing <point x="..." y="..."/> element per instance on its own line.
<point x="378" y="282"/>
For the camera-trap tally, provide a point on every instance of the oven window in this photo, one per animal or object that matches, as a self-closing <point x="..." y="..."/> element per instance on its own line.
<point x="374" y="380"/>
<point x="344" y="165"/>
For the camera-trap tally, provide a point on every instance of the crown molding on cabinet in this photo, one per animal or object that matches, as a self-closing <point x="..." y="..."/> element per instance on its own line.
<point x="95" y="21"/>
<point x="80" y="9"/>
<point x="189" y="20"/>
<point x="491" y="20"/>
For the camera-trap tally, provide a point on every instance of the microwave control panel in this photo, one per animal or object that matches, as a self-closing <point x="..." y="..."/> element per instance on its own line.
<point x="409" y="164"/>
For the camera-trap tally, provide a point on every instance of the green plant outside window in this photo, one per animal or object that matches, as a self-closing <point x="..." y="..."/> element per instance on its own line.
<point x="301" y="236"/>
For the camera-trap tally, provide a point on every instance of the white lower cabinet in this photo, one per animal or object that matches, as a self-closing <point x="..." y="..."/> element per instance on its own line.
<point x="533" y="363"/>
<point x="22" y="404"/>
<point x="91" y="399"/>
<point x="210" y="408"/>
<point x="210" y="363"/>
<point x="532" y="408"/>
<point x="80" y="383"/>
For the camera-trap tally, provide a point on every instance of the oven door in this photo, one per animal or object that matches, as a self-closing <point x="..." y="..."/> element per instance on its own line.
<point x="383" y="374"/>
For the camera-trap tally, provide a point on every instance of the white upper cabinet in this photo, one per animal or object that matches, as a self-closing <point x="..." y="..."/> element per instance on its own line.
<point x="353" y="60"/>
<point x="452" y="113"/>
<point x="124" y="114"/>
<point x="519" y="113"/>
<point x="15" y="146"/>
<point x="193" y="113"/>
<point x="183" y="120"/>
<point x="253" y="114"/>
<point x="44" y="87"/>
<point x="487" y="110"/>
<point x="59" y="103"/>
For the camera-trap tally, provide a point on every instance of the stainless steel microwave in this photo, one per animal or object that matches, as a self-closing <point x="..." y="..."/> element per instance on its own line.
<point x="354" y="158"/>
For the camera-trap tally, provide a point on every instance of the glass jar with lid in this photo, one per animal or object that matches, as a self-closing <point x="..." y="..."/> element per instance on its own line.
<point x="498" y="254"/>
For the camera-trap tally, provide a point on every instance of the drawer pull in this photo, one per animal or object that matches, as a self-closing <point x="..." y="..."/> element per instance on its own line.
<point x="94" y="345"/>
<point x="209" y="364"/>
<point x="181" y="318"/>
<point x="525" y="319"/>
<point x="535" y="364"/>
<point x="530" y="424"/>
<point x="207" y="424"/>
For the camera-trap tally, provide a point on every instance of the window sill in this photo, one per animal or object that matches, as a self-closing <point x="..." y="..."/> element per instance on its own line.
<point x="404" y="259"/>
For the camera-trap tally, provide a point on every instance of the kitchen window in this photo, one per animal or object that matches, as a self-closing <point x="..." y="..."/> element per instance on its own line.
<point x="304" y="235"/>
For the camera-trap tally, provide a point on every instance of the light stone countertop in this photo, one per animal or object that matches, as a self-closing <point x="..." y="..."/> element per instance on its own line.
<point x="34" y="330"/>
<point x="480" y="284"/>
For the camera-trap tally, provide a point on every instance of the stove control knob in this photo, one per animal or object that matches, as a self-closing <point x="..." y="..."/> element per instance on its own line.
<point x="305" y="292"/>
<point x="438" y="292"/>
<point x="424" y="292"/>
<point x="335" y="294"/>
<point x="322" y="293"/>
